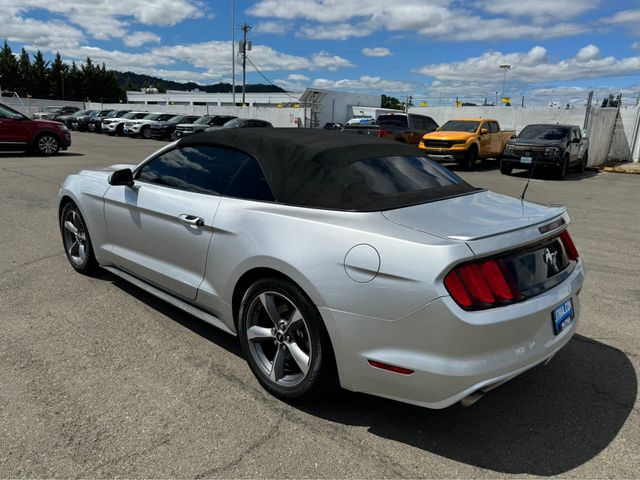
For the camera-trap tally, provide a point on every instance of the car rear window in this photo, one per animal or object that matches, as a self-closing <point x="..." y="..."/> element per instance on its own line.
<point x="400" y="121"/>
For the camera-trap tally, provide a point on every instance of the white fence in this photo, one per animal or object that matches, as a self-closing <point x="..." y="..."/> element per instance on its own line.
<point x="613" y="134"/>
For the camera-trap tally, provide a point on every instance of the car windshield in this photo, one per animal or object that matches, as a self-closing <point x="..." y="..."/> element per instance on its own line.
<point x="112" y="114"/>
<point x="176" y="119"/>
<point x="152" y="116"/>
<point x="544" y="132"/>
<point x="51" y="109"/>
<point x="79" y="113"/>
<point x="6" y="112"/>
<point x="131" y="115"/>
<point x="202" y="120"/>
<point x="392" y="121"/>
<point x="460" y="126"/>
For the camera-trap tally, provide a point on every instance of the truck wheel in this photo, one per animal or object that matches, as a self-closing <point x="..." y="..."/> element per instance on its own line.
<point x="505" y="169"/>
<point x="561" y="172"/>
<point x="582" y="165"/>
<point x="470" y="158"/>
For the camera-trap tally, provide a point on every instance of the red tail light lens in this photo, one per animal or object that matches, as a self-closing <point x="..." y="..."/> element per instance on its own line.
<point x="382" y="133"/>
<point x="479" y="285"/>
<point x="569" y="246"/>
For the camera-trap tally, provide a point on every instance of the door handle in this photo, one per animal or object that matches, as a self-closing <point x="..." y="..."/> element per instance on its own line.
<point x="191" y="220"/>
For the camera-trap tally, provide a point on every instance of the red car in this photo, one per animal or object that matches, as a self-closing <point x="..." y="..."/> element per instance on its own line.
<point x="20" y="133"/>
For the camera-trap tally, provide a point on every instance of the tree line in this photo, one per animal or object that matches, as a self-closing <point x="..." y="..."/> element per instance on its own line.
<point x="30" y="75"/>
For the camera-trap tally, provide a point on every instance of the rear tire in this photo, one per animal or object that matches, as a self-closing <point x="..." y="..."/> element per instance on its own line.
<point x="76" y="240"/>
<point x="284" y="341"/>
<point x="145" y="133"/>
<point x="582" y="165"/>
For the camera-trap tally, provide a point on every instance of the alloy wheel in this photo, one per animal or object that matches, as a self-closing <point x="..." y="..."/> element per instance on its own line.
<point x="278" y="338"/>
<point x="47" y="145"/>
<point x="75" y="237"/>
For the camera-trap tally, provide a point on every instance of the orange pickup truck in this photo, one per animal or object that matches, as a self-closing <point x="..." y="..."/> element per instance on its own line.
<point x="466" y="140"/>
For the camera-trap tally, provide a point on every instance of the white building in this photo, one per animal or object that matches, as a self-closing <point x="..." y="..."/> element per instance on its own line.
<point x="322" y="105"/>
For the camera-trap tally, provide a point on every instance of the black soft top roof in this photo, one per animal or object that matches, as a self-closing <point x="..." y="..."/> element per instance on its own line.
<point x="303" y="166"/>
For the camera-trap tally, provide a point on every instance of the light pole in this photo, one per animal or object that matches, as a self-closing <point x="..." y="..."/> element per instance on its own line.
<point x="0" y="85"/>
<point x="505" y="67"/>
<point x="62" y="83"/>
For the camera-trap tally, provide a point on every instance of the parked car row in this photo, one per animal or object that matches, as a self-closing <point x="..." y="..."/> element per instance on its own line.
<point x="467" y="140"/>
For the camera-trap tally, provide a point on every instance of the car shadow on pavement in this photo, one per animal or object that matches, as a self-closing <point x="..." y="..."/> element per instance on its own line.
<point x="547" y="421"/>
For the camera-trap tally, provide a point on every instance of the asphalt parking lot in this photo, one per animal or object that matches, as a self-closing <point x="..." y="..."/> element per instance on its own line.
<point x="99" y="379"/>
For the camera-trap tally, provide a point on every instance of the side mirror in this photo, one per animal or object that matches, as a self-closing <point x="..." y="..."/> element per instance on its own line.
<point x="438" y="129"/>
<point x="121" y="177"/>
<point x="483" y="131"/>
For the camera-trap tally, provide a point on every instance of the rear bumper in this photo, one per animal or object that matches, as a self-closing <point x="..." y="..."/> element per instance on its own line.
<point x="452" y="352"/>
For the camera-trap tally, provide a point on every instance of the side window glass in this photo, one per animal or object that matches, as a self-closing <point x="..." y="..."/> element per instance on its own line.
<point x="199" y="169"/>
<point x="250" y="183"/>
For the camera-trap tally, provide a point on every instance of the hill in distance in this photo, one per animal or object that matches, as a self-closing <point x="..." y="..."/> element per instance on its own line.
<point x="136" y="81"/>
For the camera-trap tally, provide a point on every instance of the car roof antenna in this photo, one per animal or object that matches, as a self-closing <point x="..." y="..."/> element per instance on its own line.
<point x="533" y="166"/>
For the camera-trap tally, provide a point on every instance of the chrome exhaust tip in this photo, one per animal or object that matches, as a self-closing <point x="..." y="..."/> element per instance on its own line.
<point x="472" y="398"/>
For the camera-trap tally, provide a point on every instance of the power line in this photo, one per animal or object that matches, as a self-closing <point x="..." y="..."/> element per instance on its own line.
<point x="269" y="81"/>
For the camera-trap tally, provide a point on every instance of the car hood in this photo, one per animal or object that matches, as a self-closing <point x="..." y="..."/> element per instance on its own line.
<point x="535" y="142"/>
<point x="45" y="123"/>
<point x="472" y="217"/>
<point x="448" y="135"/>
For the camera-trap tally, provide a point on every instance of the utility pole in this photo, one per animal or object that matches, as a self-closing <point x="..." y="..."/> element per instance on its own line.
<point x="233" y="51"/>
<point x="62" y="83"/>
<point x="245" y="46"/>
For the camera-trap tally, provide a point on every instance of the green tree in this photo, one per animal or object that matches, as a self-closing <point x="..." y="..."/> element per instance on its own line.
<point x="8" y="68"/>
<point x="391" y="102"/>
<point x="39" y="76"/>
<point x="24" y="74"/>
<point x="57" y="78"/>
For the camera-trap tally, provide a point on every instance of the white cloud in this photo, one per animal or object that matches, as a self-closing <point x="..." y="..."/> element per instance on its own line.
<point x="376" y="52"/>
<point x="635" y="45"/>
<point x="533" y="67"/>
<point x="101" y="19"/>
<point x="445" y="19"/>
<point x="273" y="28"/>
<point x="297" y="77"/>
<point x="588" y="53"/>
<point x="538" y="9"/>
<point x="137" y="39"/>
<point x="366" y="82"/>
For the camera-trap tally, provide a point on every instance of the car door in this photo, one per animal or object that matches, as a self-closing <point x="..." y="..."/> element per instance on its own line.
<point x="575" y="145"/>
<point x="161" y="227"/>
<point x="14" y="131"/>
<point x="496" y="138"/>
<point x="484" y="139"/>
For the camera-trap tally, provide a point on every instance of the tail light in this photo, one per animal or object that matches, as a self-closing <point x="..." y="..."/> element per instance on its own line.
<point x="489" y="283"/>
<point x="481" y="284"/>
<point x="569" y="246"/>
<point x="382" y="133"/>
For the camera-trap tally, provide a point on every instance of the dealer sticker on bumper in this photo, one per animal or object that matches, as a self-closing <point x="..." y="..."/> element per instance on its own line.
<point x="562" y="316"/>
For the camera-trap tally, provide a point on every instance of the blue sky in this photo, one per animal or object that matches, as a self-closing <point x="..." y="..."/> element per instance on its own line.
<point x="437" y="49"/>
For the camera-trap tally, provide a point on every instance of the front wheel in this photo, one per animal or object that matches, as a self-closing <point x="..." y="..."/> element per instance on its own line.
<point x="76" y="240"/>
<point x="470" y="159"/>
<point x="582" y="165"/>
<point x="146" y="133"/>
<point x="561" y="173"/>
<point x="284" y="340"/>
<point x="47" y="144"/>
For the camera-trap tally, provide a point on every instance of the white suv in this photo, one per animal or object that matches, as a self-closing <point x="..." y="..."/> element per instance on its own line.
<point x="133" y="128"/>
<point x="115" y="126"/>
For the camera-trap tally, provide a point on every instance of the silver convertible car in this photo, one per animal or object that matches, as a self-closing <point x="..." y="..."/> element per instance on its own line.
<point x="336" y="259"/>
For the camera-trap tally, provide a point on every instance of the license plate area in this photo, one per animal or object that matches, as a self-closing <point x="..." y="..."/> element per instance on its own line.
<point x="526" y="160"/>
<point x="562" y="316"/>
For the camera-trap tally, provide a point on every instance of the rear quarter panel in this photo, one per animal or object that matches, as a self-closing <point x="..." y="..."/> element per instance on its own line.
<point x="310" y="247"/>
